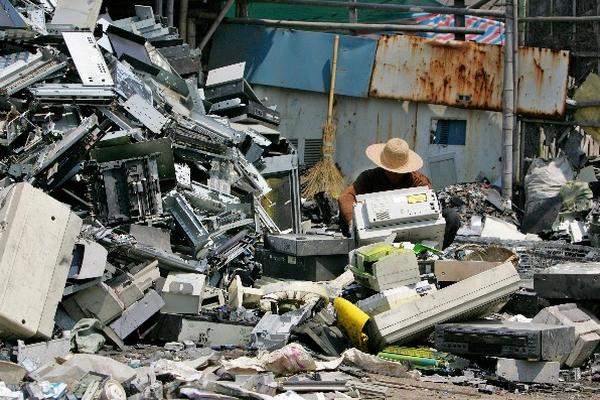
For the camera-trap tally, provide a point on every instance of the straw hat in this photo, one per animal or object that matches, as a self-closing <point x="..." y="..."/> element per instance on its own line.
<point x="394" y="156"/>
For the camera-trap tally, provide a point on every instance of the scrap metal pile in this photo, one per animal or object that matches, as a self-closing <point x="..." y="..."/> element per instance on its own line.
<point x="475" y="199"/>
<point x="559" y="205"/>
<point x="137" y="260"/>
<point x="108" y="119"/>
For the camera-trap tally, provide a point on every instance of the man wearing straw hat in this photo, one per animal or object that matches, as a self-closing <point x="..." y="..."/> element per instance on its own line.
<point x="398" y="168"/>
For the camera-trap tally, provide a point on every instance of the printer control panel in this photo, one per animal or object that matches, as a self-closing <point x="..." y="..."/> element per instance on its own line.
<point x="396" y="207"/>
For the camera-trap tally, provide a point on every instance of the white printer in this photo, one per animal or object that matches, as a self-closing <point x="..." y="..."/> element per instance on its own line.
<point x="412" y="214"/>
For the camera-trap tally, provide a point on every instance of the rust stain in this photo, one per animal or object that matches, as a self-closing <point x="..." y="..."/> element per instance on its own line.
<point x="465" y="75"/>
<point x="538" y="73"/>
<point x="414" y="130"/>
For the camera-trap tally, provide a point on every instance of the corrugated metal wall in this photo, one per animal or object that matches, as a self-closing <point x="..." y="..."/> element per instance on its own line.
<point x="467" y="74"/>
<point x="361" y="122"/>
<point x="400" y="67"/>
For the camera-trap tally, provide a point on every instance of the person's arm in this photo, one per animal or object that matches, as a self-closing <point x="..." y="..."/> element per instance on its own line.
<point x="420" y="179"/>
<point x="346" y="200"/>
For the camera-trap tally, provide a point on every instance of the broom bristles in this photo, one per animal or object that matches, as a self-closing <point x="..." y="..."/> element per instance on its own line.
<point x="324" y="176"/>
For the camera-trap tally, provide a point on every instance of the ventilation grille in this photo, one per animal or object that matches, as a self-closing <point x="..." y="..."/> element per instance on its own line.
<point x="312" y="151"/>
<point x="382" y="215"/>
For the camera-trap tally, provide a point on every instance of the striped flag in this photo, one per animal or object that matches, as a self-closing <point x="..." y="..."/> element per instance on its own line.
<point x="494" y="30"/>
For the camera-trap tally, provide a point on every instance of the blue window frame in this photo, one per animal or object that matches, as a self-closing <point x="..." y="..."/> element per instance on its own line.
<point x="450" y="132"/>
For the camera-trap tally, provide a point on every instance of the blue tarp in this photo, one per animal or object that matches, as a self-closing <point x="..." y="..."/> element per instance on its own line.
<point x="295" y="59"/>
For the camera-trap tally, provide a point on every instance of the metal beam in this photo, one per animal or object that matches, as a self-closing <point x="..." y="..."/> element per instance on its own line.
<point x="183" y="18"/>
<point x="585" y="104"/>
<point x="358" y="27"/>
<point x="216" y="24"/>
<point x="585" y="54"/>
<point x="170" y="12"/>
<point x="508" y="105"/>
<point x="591" y="124"/>
<point x="191" y="32"/>
<point x="390" y="7"/>
<point x="479" y="4"/>
<point x="241" y="9"/>
<point x="158" y="7"/>
<point x="516" y="125"/>
<point x="459" y="20"/>
<point x="581" y="19"/>
<point x="352" y="13"/>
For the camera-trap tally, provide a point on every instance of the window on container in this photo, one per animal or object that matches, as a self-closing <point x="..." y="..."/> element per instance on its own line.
<point x="449" y="131"/>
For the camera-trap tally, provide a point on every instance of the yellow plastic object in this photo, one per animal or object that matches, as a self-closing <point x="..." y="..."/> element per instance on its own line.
<point x="352" y="320"/>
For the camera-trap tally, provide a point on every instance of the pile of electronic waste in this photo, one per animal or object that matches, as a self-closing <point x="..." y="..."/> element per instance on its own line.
<point x="124" y="174"/>
<point x="142" y="252"/>
<point x="106" y="130"/>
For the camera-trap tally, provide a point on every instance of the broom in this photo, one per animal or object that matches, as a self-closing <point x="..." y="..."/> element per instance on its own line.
<point x="324" y="176"/>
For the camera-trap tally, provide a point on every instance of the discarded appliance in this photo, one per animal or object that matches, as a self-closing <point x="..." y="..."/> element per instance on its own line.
<point x="136" y="314"/>
<point x="411" y="214"/>
<point x="530" y="341"/>
<point x="37" y="354"/>
<point x="478" y="295"/>
<point x="451" y="271"/>
<point x="89" y="260"/>
<point x="183" y="293"/>
<point x="171" y="327"/>
<point x="129" y="190"/>
<point x="383" y="266"/>
<point x="273" y="331"/>
<point x="390" y="299"/>
<point x="587" y="329"/>
<point x="576" y="281"/>
<point x="33" y="276"/>
<point x="306" y="257"/>
<point x="233" y="97"/>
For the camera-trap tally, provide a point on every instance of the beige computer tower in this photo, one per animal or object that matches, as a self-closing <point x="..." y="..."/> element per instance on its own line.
<point x="37" y="235"/>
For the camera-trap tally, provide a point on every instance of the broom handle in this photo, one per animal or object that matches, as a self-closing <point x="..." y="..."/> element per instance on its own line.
<point x="336" y="44"/>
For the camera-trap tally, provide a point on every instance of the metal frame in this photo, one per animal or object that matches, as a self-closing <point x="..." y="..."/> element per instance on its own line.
<point x="390" y="7"/>
<point x="352" y="26"/>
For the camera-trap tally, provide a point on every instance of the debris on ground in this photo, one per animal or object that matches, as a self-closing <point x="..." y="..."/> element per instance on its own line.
<point x="146" y="253"/>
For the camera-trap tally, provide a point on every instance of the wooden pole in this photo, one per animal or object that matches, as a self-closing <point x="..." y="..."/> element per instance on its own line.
<point x="336" y="45"/>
